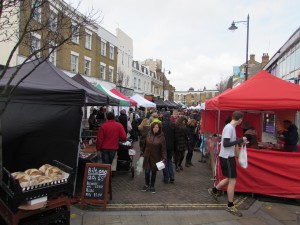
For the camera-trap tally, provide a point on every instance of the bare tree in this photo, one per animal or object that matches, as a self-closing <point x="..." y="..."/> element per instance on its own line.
<point x="22" y="20"/>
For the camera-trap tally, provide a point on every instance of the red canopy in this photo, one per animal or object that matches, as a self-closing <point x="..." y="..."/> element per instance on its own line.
<point x="263" y="91"/>
<point x="116" y="92"/>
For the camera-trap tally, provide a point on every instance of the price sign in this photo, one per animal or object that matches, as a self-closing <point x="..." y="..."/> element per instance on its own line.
<point x="96" y="183"/>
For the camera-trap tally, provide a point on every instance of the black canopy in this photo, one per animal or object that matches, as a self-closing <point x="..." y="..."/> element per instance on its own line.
<point x="43" y="119"/>
<point x="160" y="103"/>
<point x="110" y="100"/>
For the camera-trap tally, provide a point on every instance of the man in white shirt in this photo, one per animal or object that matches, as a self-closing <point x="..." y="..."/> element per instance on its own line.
<point x="228" y="163"/>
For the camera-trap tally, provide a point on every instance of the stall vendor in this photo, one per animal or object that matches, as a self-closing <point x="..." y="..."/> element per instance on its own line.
<point x="290" y="136"/>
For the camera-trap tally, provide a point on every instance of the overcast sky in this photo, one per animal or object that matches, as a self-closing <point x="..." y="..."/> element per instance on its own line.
<point x="191" y="37"/>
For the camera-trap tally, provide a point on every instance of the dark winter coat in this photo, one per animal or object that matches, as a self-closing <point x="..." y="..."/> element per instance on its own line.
<point x="143" y="136"/>
<point x="168" y="129"/>
<point x="123" y="121"/>
<point x="191" y="135"/>
<point x="291" y="135"/>
<point x="154" y="150"/>
<point x="181" y="138"/>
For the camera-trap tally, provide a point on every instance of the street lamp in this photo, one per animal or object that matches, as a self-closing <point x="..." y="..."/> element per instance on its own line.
<point x="233" y="28"/>
<point x="169" y="72"/>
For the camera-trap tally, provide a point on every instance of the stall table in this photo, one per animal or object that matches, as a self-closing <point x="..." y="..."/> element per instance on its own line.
<point x="272" y="172"/>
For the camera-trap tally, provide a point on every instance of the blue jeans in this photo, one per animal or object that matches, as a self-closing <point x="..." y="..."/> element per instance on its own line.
<point x="168" y="172"/>
<point x="108" y="156"/>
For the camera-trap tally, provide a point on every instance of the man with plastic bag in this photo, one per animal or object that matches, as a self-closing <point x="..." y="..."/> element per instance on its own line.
<point x="228" y="163"/>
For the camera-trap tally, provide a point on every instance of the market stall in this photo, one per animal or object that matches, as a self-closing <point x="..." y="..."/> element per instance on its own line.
<point x="41" y="125"/>
<point x="271" y="171"/>
<point x="142" y="102"/>
<point x="116" y="92"/>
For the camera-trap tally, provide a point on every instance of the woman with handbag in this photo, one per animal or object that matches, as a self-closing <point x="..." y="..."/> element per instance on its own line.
<point x="154" y="150"/>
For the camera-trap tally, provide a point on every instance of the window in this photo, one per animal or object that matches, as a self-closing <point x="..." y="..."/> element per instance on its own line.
<point x="87" y="66"/>
<point x="144" y="85"/>
<point x="139" y="84"/>
<point x="36" y="7"/>
<point x="102" y="71"/>
<point x="53" y="21"/>
<point x="103" y="48"/>
<point x="88" y="39"/>
<point x="52" y="55"/>
<point x="111" y="52"/>
<point x="35" y="44"/>
<point x="75" y="33"/>
<point x="134" y="83"/>
<point x="74" y="62"/>
<point x="111" y="74"/>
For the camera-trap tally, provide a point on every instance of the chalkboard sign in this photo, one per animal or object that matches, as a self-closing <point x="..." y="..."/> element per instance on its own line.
<point x="96" y="183"/>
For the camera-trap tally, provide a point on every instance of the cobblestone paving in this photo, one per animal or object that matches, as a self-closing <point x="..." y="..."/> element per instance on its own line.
<point x="188" y="192"/>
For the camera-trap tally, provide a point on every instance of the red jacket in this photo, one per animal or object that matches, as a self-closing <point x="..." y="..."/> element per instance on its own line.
<point x="109" y="135"/>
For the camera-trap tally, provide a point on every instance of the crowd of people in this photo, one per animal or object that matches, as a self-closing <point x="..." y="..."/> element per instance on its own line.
<point x="168" y="136"/>
<point x="171" y="137"/>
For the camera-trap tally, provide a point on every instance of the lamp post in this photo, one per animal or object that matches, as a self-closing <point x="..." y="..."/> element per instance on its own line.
<point x="233" y="28"/>
<point x="169" y="72"/>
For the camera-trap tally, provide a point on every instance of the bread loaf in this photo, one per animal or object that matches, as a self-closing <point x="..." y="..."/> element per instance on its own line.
<point x="44" y="167"/>
<point x="34" y="172"/>
<point x="23" y="178"/>
<point x="54" y="171"/>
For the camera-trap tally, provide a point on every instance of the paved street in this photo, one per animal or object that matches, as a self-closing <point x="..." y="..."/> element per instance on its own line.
<point x="185" y="202"/>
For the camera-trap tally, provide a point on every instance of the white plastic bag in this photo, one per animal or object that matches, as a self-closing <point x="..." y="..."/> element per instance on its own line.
<point x="139" y="165"/>
<point x="243" y="159"/>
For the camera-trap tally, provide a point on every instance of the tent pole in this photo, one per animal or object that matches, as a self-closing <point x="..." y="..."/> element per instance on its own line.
<point x="219" y="114"/>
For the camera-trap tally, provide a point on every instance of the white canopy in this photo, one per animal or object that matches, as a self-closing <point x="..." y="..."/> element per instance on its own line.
<point x="141" y="101"/>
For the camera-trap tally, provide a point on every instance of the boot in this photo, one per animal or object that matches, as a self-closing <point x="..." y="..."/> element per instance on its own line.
<point x="187" y="164"/>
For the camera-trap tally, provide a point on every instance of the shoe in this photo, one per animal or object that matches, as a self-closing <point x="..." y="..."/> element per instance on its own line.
<point x="180" y="167"/>
<point x="191" y="164"/>
<point x="177" y="169"/>
<point x="234" y="211"/>
<point x="145" y="188"/>
<point x="152" y="190"/>
<point x="187" y="165"/>
<point x="213" y="195"/>
<point x="172" y="180"/>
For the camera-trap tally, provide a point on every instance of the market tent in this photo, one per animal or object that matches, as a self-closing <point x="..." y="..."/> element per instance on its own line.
<point x="122" y="102"/>
<point x="142" y="102"/>
<point x="160" y="103"/>
<point x="213" y="103"/>
<point x="107" y="100"/>
<point x="116" y="92"/>
<point x="169" y="104"/>
<point x="41" y="123"/>
<point x="174" y="104"/>
<point x="263" y="91"/>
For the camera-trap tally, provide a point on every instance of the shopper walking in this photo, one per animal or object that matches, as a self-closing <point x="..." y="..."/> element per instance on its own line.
<point x="153" y="151"/>
<point x="143" y="128"/>
<point x="109" y="135"/>
<point x="192" y="137"/>
<point x="228" y="163"/>
<point x="169" y="131"/>
<point x="181" y="141"/>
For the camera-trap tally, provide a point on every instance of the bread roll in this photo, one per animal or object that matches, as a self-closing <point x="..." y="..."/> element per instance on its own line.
<point x="43" y="179"/>
<point x="34" y="180"/>
<point x="56" y="177"/>
<point x="44" y="167"/>
<point x="34" y="172"/>
<point x="53" y="171"/>
<point x="23" y="178"/>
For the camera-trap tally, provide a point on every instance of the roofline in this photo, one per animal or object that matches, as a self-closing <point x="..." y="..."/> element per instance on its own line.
<point x="285" y="47"/>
